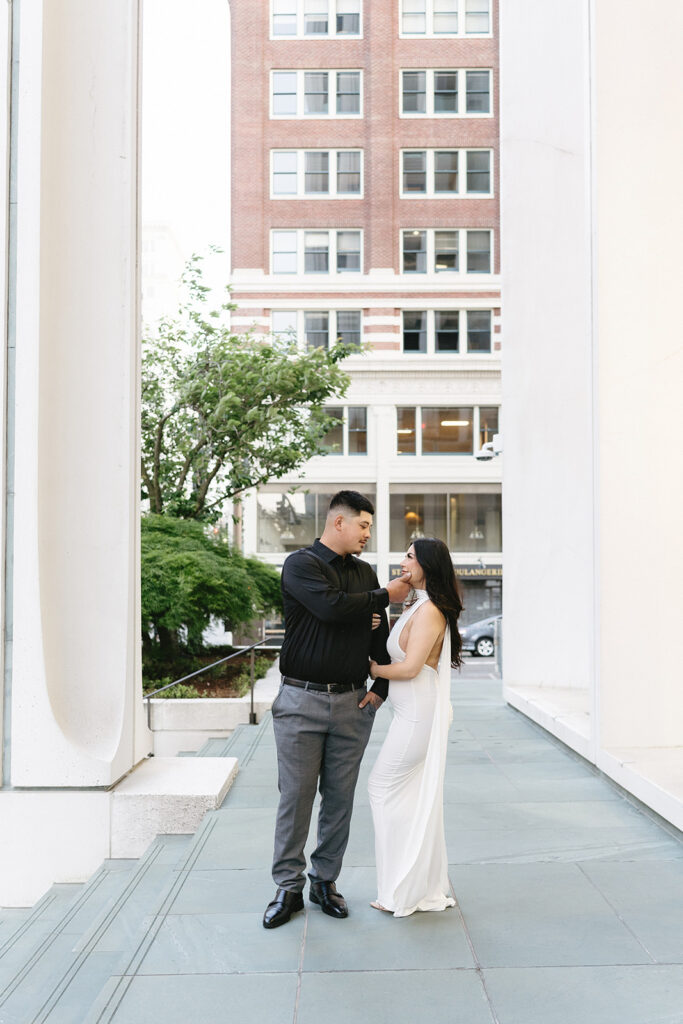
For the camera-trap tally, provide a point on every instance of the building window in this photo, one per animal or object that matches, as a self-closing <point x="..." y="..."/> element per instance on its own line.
<point x="284" y="260"/>
<point x="467" y="520"/>
<point x="445" y="17"/>
<point x="316" y="252"/>
<point x="445" y="251"/>
<point x="415" y="515"/>
<point x="348" y="252"/>
<point x="348" y="92"/>
<point x="414" y="92"/>
<point x="488" y="424"/>
<point x="428" y="251"/>
<point x="415" y="332"/>
<point x="318" y="18"/>
<point x="443" y="331"/>
<point x="315" y="94"/>
<point x="479" y="330"/>
<point x="284" y="325"/>
<point x="434" y="173"/>
<point x="348" y="326"/>
<point x="289" y="520"/>
<point x="478" y="92"/>
<point x="317" y="328"/>
<point x="405" y="431"/>
<point x="451" y="92"/>
<point x="284" y="17"/>
<point x="348" y="17"/>
<point x="478" y="252"/>
<point x="317" y="173"/>
<point x="447" y="431"/>
<point x="284" y="93"/>
<point x="444" y="430"/>
<point x="446" y="326"/>
<point x="414" y="172"/>
<point x="414" y="252"/>
<point x="350" y="435"/>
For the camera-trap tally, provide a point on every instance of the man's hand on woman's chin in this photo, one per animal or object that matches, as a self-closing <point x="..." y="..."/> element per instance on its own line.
<point x="399" y="588"/>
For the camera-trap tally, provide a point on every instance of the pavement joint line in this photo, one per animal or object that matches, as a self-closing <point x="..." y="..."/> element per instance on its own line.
<point x="54" y="933"/>
<point x="616" y="912"/>
<point x="477" y="965"/>
<point x="87" y="943"/>
<point x="300" y="969"/>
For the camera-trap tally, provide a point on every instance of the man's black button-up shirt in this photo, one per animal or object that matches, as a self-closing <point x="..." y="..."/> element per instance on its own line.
<point x="328" y="602"/>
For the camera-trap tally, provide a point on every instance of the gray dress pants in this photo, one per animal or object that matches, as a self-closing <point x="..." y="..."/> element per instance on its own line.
<point x="320" y="739"/>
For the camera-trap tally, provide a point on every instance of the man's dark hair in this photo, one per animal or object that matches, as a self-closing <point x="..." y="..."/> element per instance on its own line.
<point x="354" y="501"/>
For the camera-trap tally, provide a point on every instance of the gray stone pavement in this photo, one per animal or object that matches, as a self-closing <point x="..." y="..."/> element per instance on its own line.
<point x="569" y="904"/>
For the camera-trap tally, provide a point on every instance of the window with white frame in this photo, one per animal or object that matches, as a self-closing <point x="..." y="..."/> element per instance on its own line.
<point x="320" y="19"/>
<point x="436" y="173"/>
<point x="317" y="328"/>
<point x="316" y="251"/>
<point x="350" y="436"/>
<point x="315" y="94"/>
<point x="445" y="17"/>
<point x="446" y="251"/>
<point x="325" y="173"/>
<point x="439" y="430"/>
<point x="449" y="331"/>
<point x="446" y="93"/>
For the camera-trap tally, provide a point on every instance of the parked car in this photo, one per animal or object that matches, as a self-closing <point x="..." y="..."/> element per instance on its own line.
<point x="478" y="637"/>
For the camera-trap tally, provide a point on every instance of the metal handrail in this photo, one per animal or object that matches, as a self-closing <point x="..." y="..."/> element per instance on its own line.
<point x="207" y="668"/>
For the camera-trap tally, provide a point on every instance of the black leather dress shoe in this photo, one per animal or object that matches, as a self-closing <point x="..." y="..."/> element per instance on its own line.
<point x="282" y="907"/>
<point x="326" y="896"/>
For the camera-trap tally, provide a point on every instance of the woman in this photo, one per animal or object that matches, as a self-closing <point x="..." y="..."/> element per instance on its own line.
<point x="406" y="783"/>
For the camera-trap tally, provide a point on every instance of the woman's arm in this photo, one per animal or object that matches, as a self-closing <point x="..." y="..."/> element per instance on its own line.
<point x="426" y="626"/>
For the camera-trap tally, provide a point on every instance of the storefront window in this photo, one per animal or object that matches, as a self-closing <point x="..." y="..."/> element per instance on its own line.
<point x="416" y="515"/>
<point x="474" y="522"/>
<point x="287" y="522"/>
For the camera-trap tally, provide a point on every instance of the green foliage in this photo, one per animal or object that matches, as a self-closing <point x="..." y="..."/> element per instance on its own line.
<point x="189" y="574"/>
<point x="222" y="413"/>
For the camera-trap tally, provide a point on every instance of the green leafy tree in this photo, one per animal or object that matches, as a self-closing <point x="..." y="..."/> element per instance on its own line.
<point x="221" y="412"/>
<point x="190" y="573"/>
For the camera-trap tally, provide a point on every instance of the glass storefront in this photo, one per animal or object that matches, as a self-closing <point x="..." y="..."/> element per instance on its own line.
<point x="467" y="521"/>
<point x="288" y="521"/>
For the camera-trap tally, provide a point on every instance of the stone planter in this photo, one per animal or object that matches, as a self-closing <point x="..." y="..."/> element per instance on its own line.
<point x="187" y="724"/>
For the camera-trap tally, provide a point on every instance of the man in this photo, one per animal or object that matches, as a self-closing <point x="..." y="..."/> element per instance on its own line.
<point x="322" y="716"/>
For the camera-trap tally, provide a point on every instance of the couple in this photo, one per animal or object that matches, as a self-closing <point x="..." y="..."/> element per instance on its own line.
<point x="323" y="716"/>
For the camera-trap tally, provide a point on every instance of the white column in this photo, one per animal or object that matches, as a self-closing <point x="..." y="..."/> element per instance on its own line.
<point x="76" y="717"/>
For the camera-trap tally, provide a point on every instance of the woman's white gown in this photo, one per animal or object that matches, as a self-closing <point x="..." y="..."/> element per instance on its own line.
<point x="406" y="785"/>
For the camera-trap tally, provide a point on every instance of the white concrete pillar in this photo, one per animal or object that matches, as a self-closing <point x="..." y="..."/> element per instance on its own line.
<point x="76" y="710"/>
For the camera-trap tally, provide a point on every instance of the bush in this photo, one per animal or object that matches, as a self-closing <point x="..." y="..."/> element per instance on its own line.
<point x="190" y="574"/>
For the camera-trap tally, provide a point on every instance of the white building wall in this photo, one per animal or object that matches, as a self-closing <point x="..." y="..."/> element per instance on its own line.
<point x="592" y="378"/>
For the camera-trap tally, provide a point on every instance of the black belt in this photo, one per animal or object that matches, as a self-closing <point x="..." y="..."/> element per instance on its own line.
<point x="323" y="687"/>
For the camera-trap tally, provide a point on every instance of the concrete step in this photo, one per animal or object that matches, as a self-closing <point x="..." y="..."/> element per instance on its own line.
<point x="104" y="1006"/>
<point x="11" y="919"/>
<point x="240" y="744"/>
<point x="20" y="944"/>
<point x="61" y="976"/>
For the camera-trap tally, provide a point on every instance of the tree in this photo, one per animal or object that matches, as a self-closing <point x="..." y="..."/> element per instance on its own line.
<point x="222" y="413"/>
<point x="190" y="573"/>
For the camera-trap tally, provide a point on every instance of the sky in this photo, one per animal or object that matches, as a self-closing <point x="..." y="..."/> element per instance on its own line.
<point x="185" y="121"/>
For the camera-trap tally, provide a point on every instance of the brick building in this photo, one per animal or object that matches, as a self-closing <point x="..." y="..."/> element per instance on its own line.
<point x="365" y="184"/>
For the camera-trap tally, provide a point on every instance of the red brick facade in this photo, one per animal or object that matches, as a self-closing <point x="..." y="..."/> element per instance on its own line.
<point x="381" y="133"/>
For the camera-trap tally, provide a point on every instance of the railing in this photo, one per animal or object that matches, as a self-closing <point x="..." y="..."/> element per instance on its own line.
<point x="207" y="668"/>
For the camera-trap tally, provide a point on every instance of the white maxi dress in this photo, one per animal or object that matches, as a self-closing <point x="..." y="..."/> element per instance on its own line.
<point x="406" y="785"/>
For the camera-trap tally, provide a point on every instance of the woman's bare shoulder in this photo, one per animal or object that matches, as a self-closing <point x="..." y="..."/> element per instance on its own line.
<point x="430" y="614"/>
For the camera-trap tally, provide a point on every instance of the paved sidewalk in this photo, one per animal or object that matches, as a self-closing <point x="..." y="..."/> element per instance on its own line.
<point x="570" y="904"/>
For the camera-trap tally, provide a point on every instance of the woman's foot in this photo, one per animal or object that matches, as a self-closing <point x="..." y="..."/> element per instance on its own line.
<point x="378" y="906"/>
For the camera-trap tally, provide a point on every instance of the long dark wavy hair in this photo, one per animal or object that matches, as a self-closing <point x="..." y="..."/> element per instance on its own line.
<point x="442" y="587"/>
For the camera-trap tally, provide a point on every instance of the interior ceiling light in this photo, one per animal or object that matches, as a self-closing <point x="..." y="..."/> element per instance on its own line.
<point x="455" y="423"/>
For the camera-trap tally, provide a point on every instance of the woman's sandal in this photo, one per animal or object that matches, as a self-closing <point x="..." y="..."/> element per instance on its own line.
<point x="378" y="906"/>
